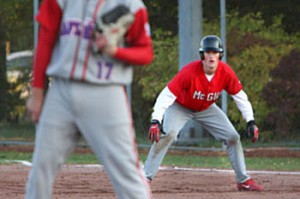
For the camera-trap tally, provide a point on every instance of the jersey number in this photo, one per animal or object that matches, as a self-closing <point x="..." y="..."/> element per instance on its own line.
<point x="104" y="70"/>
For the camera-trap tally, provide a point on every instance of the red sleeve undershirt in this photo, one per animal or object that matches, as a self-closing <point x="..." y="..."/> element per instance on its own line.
<point x="140" y="51"/>
<point x="48" y="33"/>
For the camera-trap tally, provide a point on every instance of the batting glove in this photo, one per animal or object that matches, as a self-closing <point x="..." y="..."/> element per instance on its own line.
<point x="154" y="131"/>
<point x="252" y="131"/>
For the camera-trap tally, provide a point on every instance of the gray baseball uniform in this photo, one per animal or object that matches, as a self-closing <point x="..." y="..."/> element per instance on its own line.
<point x="214" y="120"/>
<point x="86" y="96"/>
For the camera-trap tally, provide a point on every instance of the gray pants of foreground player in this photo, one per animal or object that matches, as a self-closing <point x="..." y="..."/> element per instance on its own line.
<point x="102" y="116"/>
<point x="212" y="119"/>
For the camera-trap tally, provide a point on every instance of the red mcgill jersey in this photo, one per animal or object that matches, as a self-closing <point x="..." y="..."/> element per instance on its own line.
<point x="193" y="90"/>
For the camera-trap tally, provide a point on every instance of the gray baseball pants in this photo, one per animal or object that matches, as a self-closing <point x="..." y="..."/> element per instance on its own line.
<point x="99" y="113"/>
<point x="212" y="119"/>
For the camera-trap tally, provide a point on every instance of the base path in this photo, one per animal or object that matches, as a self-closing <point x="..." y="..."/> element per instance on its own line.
<point x="91" y="182"/>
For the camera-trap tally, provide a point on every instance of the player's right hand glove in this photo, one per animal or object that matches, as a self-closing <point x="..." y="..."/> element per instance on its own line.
<point x="154" y="131"/>
<point x="252" y="131"/>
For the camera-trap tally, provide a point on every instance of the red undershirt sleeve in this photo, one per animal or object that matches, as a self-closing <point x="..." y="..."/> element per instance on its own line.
<point x="49" y="18"/>
<point x="140" y="51"/>
<point x="135" y="55"/>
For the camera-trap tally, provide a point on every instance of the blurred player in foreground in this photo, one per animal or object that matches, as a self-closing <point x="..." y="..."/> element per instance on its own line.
<point x="87" y="48"/>
<point x="192" y="94"/>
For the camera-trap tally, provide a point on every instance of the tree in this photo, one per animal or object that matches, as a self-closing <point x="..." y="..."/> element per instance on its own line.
<point x="3" y="81"/>
<point x="17" y="23"/>
<point x="16" y="27"/>
<point x="287" y="9"/>
<point x="157" y="10"/>
<point x="282" y="93"/>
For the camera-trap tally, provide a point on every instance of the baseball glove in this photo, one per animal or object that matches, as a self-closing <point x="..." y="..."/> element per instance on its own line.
<point x="112" y="26"/>
<point x="252" y="131"/>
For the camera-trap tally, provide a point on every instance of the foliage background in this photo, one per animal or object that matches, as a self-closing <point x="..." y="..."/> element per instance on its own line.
<point x="256" y="44"/>
<point x="262" y="47"/>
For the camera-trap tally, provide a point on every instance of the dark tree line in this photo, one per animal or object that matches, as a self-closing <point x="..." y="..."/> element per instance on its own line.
<point x="284" y="92"/>
<point x="164" y="13"/>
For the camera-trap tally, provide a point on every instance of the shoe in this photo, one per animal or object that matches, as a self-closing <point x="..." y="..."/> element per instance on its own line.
<point x="249" y="185"/>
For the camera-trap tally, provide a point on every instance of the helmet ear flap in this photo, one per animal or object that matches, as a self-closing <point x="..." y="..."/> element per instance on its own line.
<point x="201" y="55"/>
<point x="221" y="55"/>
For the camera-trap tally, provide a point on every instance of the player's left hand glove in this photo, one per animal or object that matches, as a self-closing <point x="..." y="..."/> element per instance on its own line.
<point x="111" y="27"/>
<point x="252" y="131"/>
<point x="154" y="131"/>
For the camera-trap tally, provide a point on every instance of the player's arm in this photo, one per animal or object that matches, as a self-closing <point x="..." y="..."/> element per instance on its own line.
<point x="139" y="50"/>
<point x="49" y="18"/>
<point x="243" y="104"/>
<point x="163" y="101"/>
<point x="245" y="107"/>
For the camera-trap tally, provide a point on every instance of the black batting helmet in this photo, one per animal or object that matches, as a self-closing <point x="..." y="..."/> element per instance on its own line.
<point x="211" y="43"/>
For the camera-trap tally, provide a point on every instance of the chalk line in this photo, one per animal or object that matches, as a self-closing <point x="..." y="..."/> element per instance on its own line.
<point x="26" y="163"/>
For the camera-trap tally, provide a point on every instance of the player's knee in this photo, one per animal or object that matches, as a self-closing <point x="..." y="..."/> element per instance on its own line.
<point x="233" y="138"/>
<point x="171" y="135"/>
<point x="174" y="135"/>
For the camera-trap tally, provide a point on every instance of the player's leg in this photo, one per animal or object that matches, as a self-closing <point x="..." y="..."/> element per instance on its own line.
<point x="55" y="139"/>
<point x="174" y="119"/>
<point x="106" y="123"/>
<point x="217" y="123"/>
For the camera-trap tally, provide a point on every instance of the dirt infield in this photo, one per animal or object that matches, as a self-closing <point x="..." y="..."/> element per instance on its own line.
<point x="78" y="182"/>
<point x="91" y="182"/>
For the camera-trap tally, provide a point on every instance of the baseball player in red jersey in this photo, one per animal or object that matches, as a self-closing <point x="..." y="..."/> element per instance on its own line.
<point x="192" y="94"/>
<point x="87" y="47"/>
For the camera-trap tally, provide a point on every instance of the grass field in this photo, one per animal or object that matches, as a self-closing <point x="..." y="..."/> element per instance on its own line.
<point x="25" y="132"/>
<point x="218" y="162"/>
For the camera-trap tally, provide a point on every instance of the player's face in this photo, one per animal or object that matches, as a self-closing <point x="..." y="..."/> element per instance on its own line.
<point x="210" y="62"/>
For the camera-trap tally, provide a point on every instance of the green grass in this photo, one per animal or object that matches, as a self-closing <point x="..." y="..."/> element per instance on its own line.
<point x="218" y="162"/>
<point x="222" y="162"/>
<point x="25" y="131"/>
